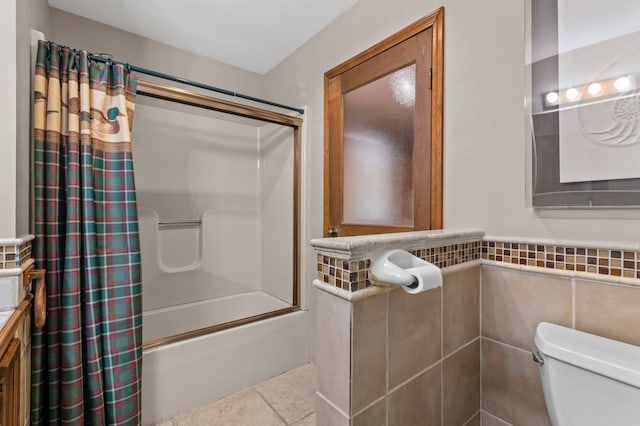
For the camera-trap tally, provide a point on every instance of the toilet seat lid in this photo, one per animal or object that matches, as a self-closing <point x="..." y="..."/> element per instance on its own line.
<point x="607" y="357"/>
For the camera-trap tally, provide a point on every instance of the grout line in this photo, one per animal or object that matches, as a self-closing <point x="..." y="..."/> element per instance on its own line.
<point x="362" y="410"/>
<point x="268" y="404"/>
<point x="573" y="303"/>
<point x="469" y="343"/>
<point x="472" y="417"/>
<point x="502" y="422"/>
<point x="386" y="387"/>
<point x="332" y="405"/>
<point x="481" y="284"/>
<point x="415" y="376"/>
<point x="442" y="354"/>
<point x="507" y="345"/>
<point x="302" y="418"/>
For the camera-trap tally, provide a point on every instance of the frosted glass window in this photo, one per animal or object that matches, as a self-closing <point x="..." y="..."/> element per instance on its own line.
<point x="378" y="150"/>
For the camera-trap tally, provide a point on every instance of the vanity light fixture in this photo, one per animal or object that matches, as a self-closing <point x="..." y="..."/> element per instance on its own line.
<point x="572" y="94"/>
<point x="552" y="98"/>
<point x="591" y="91"/>
<point x="622" y="83"/>
<point x="594" y="89"/>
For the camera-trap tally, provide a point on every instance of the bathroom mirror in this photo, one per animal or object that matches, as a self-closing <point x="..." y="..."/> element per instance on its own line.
<point x="584" y="102"/>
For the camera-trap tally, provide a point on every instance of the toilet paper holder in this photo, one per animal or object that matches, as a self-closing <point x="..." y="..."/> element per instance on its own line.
<point x="401" y="268"/>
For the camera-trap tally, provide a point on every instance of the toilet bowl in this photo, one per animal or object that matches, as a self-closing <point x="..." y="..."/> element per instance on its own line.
<point x="587" y="380"/>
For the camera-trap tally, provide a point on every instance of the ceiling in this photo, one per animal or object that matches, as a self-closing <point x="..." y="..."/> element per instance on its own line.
<point x="251" y="34"/>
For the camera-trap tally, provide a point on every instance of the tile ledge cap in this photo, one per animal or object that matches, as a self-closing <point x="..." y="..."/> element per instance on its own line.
<point x="13" y="272"/>
<point x="16" y="241"/>
<point x="361" y="244"/>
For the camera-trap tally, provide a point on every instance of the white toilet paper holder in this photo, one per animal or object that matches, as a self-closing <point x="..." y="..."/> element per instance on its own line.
<point x="399" y="267"/>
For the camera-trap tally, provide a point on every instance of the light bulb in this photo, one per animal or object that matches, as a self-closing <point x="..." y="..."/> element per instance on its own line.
<point x="572" y="94"/>
<point x="622" y="83"/>
<point x="594" y="89"/>
<point x="552" y="97"/>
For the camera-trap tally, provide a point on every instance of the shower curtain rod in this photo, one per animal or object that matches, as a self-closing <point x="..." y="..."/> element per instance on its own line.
<point x="164" y="76"/>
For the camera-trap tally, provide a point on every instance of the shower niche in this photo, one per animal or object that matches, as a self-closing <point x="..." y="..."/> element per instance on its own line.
<point x="219" y="217"/>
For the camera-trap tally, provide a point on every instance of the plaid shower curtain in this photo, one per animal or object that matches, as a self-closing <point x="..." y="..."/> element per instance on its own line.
<point x="87" y="360"/>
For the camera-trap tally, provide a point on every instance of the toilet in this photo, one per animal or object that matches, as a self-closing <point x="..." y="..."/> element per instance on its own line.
<point x="587" y="380"/>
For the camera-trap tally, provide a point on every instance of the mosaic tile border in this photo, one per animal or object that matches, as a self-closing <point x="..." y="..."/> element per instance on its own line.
<point x="13" y="256"/>
<point x="353" y="275"/>
<point x="610" y="262"/>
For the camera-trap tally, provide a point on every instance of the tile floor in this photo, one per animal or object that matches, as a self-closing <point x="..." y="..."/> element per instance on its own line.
<point x="284" y="400"/>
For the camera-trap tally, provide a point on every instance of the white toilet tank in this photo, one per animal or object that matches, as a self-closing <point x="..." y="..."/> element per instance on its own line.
<point x="588" y="380"/>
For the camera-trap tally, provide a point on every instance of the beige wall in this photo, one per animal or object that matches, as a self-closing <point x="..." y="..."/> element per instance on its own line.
<point x="8" y="121"/>
<point x="484" y="123"/>
<point x="80" y="33"/>
<point x="17" y="18"/>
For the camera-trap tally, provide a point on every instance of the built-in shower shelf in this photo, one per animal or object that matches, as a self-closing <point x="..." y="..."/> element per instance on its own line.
<point x="179" y="223"/>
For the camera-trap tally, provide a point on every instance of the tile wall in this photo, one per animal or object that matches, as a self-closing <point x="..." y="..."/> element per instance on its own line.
<point x="514" y="301"/>
<point x="439" y="357"/>
<point x="400" y="359"/>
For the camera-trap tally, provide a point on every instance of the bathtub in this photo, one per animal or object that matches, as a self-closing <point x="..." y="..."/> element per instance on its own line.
<point x="177" y="377"/>
<point x="173" y="320"/>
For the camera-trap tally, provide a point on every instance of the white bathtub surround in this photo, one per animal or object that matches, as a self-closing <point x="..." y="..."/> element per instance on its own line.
<point x="173" y="320"/>
<point x="180" y="376"/>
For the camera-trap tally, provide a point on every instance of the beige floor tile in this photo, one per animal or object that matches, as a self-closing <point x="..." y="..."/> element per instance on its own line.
<point x="245" y="408"/>
<point x="165" y="423"/>
<point x="310" y="420"/>
<point x="291" y="394"/>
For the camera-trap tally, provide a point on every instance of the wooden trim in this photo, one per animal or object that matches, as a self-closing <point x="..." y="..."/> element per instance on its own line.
<point x="219" y="327"/>
<point x="9" y="329"/>
<point x="186" y="97"/>
<point x="297" y="214"/>
<point x="433" y="186"/>
<point x="326" y="214"/>
<point x="347" y="230"/>
<point x="39" y="294"/>
<point x="10" y="373"/>
<point x="397" y="38"/>
<point x="437" y="123"/>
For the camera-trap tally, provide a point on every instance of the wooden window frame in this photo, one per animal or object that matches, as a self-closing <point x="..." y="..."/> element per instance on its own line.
<point x="435" y="21"/>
